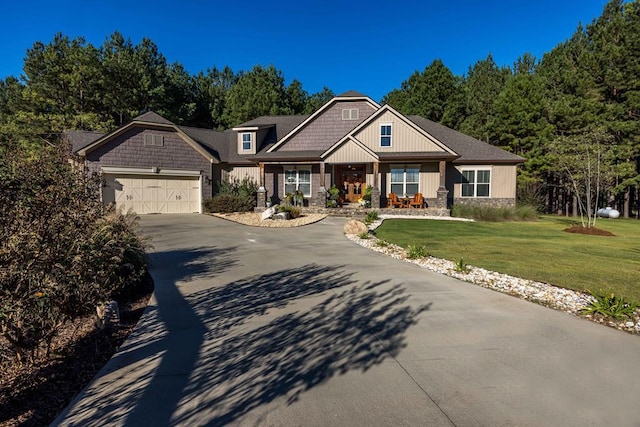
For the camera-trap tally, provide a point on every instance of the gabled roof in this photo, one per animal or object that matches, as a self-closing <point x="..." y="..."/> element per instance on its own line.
<point x="149" y="120"/>
<point x="220" y="146"/>
<point x="347" y="96"/>
<point x="352" y="93"/>
<point x="471" y="150"/>
<point x="81" y="138"/>
<point x="447" y="151"/>
<point x="152" y="117"/>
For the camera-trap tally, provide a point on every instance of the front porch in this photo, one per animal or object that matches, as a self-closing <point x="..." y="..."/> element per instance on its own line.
<point x="315" y="179"/>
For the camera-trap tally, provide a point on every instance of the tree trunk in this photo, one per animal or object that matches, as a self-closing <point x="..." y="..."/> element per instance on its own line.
<point x="627" y="197"/>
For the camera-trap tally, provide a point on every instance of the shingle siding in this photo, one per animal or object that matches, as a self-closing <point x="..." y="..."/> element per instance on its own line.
<point x="328" y="128"/>
<point x="128" y="150"/>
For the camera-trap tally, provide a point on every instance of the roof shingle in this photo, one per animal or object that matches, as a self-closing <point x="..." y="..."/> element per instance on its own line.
<point x="471" y="150"/>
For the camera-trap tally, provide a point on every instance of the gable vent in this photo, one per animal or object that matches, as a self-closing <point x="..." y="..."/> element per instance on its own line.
<point x="153" y="140"/>
<point x="350" y="114"/>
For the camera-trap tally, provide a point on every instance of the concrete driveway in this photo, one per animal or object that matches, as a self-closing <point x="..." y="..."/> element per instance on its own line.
<point x="256" y="326"/>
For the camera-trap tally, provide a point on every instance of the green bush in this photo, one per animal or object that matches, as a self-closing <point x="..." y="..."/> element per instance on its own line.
<point x="610" y="305"/>
<point x="246" y="187"/>
<point x="120" y="253"/>
<point x="364" y="235"/>
<point x="495" y="214"/>
<point x="227" y="203"/>
<point x="333" y="199"/>
<point x="416" y="251"/>
<point x="461" y="266"/>
<point x="294" y="212"/>
<point x="366" y="196"/>
<point x="59" y="254"/>
<point x="371" y="217"/>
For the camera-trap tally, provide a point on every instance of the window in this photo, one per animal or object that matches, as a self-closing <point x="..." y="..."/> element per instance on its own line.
<point x="246" y="142"/>
<point x="297" y="180"/>
<point x="476" y="183"/>
<point x="350" y="114"/>
<point x="385" y="135"/>
<point x="405" y="181"/>
<point x="153" y="140"/>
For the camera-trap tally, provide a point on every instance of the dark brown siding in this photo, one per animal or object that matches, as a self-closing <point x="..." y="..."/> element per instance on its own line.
<point x="128" y="150"/>
<point x="328" y="128"/>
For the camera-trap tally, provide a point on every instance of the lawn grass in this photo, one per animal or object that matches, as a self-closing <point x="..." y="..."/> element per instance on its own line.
<point x="538" y="250"/>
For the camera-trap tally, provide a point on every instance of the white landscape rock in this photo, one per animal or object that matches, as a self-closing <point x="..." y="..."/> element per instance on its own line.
<point x="268" y="213"/>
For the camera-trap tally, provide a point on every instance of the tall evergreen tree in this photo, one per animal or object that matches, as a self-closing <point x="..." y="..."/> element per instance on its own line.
<point x="426" y="94"/>
<point x="260" y="91"/>
<point x="317" y="100"/>
<point x="480" y="89"/>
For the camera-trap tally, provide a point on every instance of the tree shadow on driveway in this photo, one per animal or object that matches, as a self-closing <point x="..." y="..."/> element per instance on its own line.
<point x="211" y="356"/>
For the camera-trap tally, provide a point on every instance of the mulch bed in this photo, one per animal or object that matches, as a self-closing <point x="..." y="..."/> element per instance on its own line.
<point x="592" y="231"/>
<point x="34" y="395"/>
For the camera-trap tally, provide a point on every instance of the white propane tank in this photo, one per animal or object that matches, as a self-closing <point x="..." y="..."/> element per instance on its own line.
<point x="608" y="212"/>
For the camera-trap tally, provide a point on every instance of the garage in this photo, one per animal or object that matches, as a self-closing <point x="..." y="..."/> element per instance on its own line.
<point x="169" y="192"/>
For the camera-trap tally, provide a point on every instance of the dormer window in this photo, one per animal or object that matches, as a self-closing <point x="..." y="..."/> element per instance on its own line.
<point x="246" y="142"/>
<point x="350" y="114"/>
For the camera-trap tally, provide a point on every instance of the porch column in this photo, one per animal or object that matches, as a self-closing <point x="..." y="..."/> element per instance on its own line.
<point x="261" y="174"/>
<point x="321" y="196"/>
<point x="375" y="192"/>
<point x="442" y="193"/>
<point x="262" y="192"/>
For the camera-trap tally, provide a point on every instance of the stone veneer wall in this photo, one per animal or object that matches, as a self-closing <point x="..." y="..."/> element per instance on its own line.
<point x="492" y="202"/>
<point x="362" y="212"/>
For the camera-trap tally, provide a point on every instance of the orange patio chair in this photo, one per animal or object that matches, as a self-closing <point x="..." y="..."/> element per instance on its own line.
<point x="417" y="201"/>
<point x="392" y="201"/>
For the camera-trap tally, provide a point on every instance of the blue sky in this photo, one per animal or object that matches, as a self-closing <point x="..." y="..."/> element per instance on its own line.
<point x="368" y="46"/>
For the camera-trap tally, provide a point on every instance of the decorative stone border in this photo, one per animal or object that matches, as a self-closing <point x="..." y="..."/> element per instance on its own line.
<point x="566" y="300"/>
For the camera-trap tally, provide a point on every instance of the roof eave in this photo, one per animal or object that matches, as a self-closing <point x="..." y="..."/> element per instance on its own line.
<point x="488" y="161"/>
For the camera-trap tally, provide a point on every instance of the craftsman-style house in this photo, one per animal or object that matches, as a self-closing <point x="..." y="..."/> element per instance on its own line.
<point x="154" y="166"/>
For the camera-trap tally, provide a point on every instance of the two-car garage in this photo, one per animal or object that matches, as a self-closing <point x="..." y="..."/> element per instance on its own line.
<point x="146" y="192"/>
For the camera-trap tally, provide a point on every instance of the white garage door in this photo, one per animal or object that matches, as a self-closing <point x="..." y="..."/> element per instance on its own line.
<point x="153" y="194"/>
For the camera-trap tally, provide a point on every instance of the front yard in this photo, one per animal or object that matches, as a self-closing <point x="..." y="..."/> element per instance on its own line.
<point x="539" y="251"/>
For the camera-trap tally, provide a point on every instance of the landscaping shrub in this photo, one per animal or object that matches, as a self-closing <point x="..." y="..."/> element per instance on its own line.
<point x="371" y="217"/>
<point x="119" y="253"/>
<point x="233" y="195"/>
<point x="245" y="187"/>
<point x="461" y="266"/>
<point x="495" y="214"/>
<point x="294" y="212"/>
<point x="610" y="305"/>
<point x="227" y="203"/>
<point x="333" y="199"/>
<point x="59" y="254"/>
<point x="364" y="235"/>
<point x="416" y="251"/>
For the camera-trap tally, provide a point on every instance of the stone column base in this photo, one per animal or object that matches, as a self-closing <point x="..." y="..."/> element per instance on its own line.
<point x="262" y="198"/>
<point x="375" y="198"/>
<point x="321" y="198"/>
<point x="441" y="200"/>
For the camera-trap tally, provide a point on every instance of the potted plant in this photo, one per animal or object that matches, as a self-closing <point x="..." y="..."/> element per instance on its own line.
<point x="334" y="197"/>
